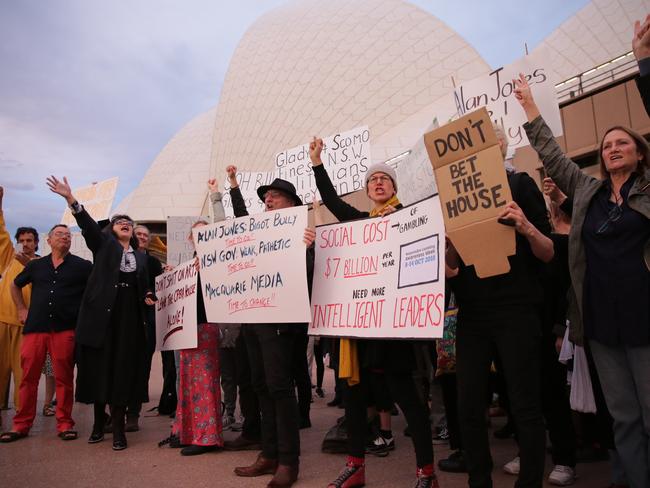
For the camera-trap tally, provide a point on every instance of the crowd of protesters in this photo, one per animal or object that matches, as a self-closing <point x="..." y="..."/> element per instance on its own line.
<point x="578" y="281"/>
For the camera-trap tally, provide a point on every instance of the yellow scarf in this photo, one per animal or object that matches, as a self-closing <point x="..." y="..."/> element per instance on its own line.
<point x="348" y="356"/>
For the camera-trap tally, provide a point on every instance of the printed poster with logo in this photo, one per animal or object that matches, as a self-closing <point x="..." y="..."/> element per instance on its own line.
<point x="176" y="326"/>
<point x="253" y="268"/>
<point x="381" y="277"/>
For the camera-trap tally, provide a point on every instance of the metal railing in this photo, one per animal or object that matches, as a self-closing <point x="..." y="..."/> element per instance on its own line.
<point x="604" y="74"/>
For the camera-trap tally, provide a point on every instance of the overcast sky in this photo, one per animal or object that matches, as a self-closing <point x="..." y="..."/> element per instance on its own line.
<point x="94" y="89"/>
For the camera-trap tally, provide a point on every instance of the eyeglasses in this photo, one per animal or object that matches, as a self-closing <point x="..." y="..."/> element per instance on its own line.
<point x="123" y="222"/>
<point x="376" y="179"/>
<point x="614" y="214"/>
<point x="62" y="234"/>
<point x="273" y="194"/>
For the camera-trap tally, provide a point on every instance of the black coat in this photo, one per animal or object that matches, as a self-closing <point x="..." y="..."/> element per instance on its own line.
<point x="99" y="298"/>
<point x="392" y="356"/>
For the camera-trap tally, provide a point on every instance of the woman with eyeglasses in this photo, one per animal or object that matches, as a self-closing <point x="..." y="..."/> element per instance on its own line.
<point x="394" y="360"/>
<point x="609" y="240"/>
<point x="111" y="326"/>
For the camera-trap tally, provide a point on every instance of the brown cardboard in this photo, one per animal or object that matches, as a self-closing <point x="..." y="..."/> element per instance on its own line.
<point x="460" y="138"/>
<point x="473" y="189"/>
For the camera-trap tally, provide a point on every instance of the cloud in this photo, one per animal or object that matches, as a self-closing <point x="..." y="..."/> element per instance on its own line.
<point x="93" y="90"/>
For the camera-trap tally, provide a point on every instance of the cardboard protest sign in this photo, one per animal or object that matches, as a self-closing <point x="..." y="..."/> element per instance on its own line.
<point x="176" y="326"/>
<point x="415" y="174"/>
<point x="249" y="182"/>
<point x="253" y="268"/>
<point x="495" y="91"/>
<point x="381" y="277"/>
<point x="473" y="190"/>
<point x="346" y="157"/>
<point x="179" y="246"/>
<point x="97" y="199"/>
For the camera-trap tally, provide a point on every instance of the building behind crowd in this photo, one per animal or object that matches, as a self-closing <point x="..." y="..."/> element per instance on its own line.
<point x="388" y="65"/>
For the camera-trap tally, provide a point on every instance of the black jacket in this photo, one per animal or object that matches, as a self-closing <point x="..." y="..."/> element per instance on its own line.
<point x="99" y="298"/>
<point x="377" y="354"/>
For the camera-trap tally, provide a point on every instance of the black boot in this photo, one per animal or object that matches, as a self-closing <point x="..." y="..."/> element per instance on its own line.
<point x="119" y="438"/>
<point x="100" y="419"/>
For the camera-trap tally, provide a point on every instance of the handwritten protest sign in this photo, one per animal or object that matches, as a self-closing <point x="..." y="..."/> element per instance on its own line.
<point x="97" y="199"/>
<point x="415" y="174"/>
<point x="473" y="190"/>
<point x="495" y="91"/>
<point x="249" y="182"/>
<point x="381" y="277"/>
<point x="179" y="246"/>
<point x="176" y="326"/>
<point x="253" y="268"/>
<point x="346" y="157"/>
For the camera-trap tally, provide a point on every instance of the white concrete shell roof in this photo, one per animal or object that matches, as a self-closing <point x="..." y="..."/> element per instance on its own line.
<point x="599" y="32"/>
<point x="175" y="183"/>
<point x="315" y="68"/>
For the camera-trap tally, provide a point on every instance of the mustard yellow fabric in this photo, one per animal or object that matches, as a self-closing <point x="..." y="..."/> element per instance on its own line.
<point x="11" y="337"/>
<point x="348" y="355"/>
<point x="9" y="269"/>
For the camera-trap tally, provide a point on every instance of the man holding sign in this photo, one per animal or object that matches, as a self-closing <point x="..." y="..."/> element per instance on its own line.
<point x="271" y="349"/>
<point x="498" y="306"/>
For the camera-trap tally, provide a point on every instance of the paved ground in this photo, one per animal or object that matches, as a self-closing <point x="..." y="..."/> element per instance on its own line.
<point x="42" y="460"/>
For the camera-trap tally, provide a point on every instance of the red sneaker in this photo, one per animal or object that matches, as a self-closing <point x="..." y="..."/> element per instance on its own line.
<point x="352" y="476"/>
<point x="426" y="480"/>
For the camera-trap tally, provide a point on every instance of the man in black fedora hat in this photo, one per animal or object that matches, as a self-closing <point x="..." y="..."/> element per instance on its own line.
<point x="271" y="351"/>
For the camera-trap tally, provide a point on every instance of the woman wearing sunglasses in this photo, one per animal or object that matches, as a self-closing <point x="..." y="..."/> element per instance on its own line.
<point x="610" y="301"/>
<point x="111" y="326"/>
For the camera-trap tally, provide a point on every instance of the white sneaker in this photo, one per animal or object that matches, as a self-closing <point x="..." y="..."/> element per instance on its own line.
<point x="562" y="475"/>
<point x="512" y="467"/>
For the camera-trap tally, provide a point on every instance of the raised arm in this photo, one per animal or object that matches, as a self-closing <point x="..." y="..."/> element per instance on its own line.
<point x="6" y="246"/>
<point x="218" y="212"/>
<point x="566" y="174"/>
<point x="237" y="199"/>
<point x="641" y="49"/>
<point x="90" y="229"/>
<point x="335" y="204"/>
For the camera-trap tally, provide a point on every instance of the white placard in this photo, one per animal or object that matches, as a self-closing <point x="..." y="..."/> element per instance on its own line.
<point x="253" y="269"/>
<point x="249" y="182"/>
<point x="179" y="246"/>
<point x="496" y="92"/>
<point x="346" y="157"/>
<point x="415" y="178"/>
<point x="381" y="277"/>
<point x="97" y="200"/>
<point x="176" y="326"/>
